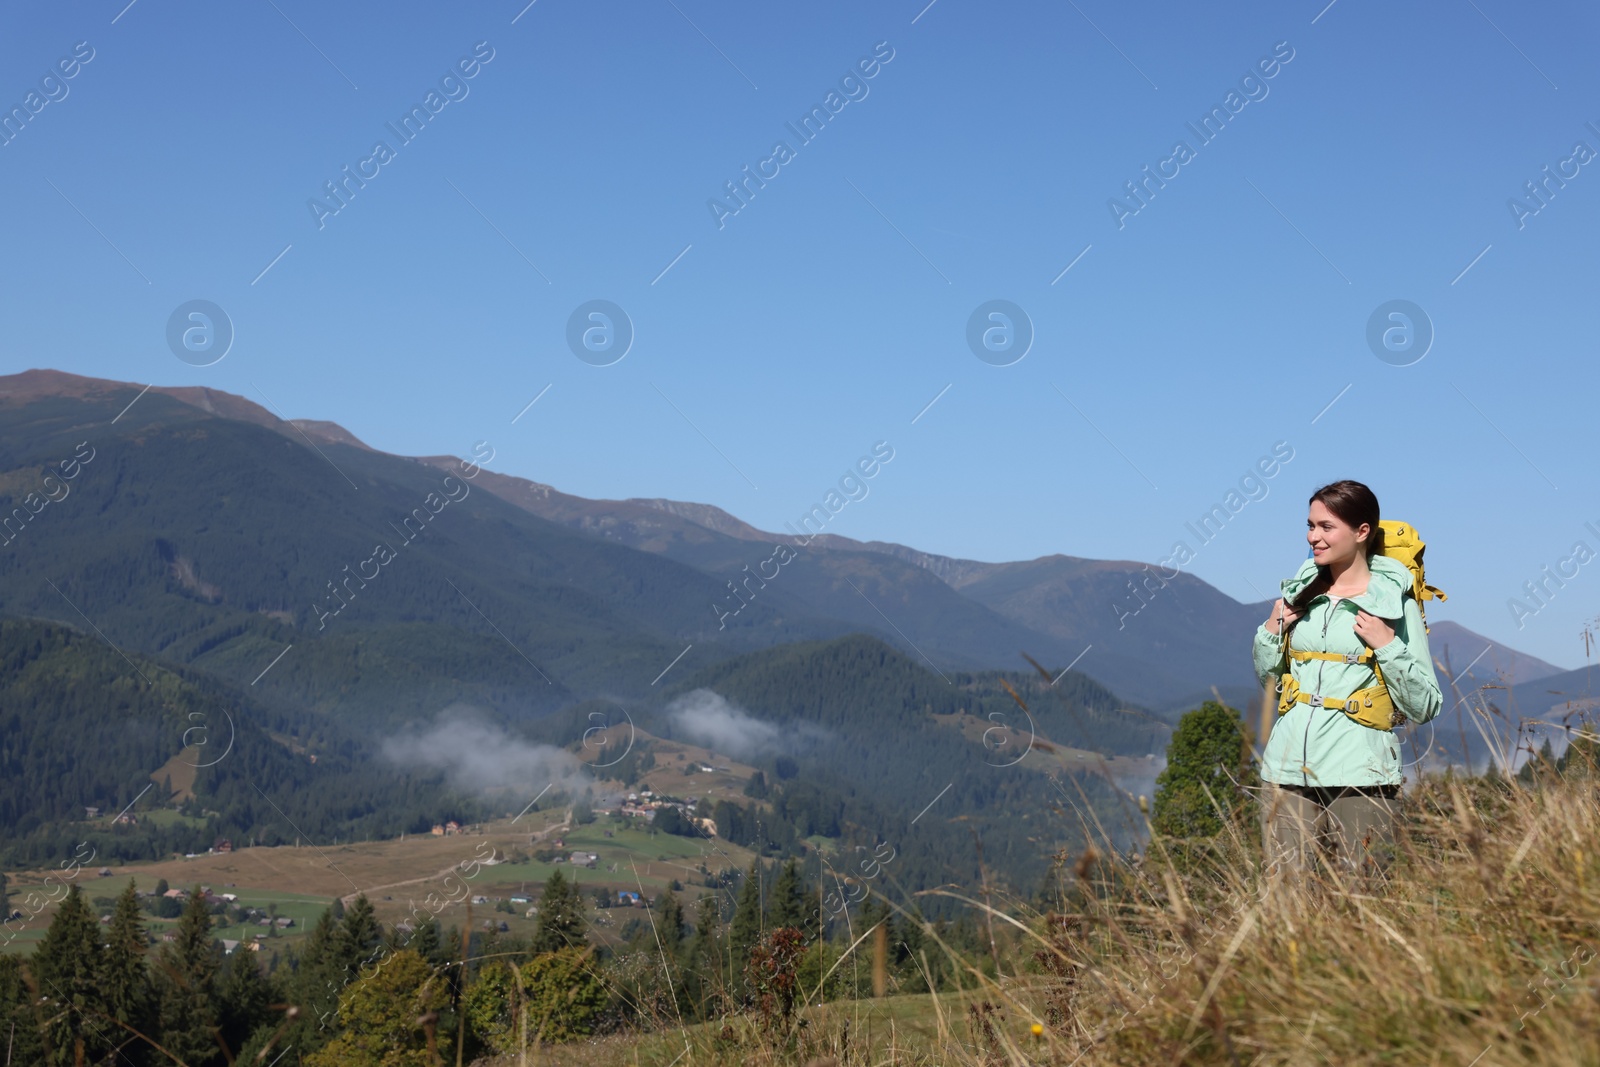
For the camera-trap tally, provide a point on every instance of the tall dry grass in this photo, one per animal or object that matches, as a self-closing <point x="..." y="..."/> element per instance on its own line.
<point x="1478" y="947"/>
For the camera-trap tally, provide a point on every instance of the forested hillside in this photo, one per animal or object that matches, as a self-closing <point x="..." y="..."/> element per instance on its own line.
<point x="81" y="726"/>
<point x="219" y="542"/>
<point x="859" y="755"/>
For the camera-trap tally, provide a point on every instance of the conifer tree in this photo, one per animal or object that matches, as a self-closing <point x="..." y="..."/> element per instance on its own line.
<point x="19" y="1014"/>
<point x="788" y="906"/>
<point x="1208" y="754"/>
<point x="358" y="938"/>
<point x="243" y="998"/>
<point x="561" y="919"/>
<point x="745" y="931"/>
<point x="124" y="974"/>
<point x="426" y="942"/>
<point x="186" y="980"/>
<point x="669" y="921"/>
<point x="706" y="976"/>
<point x="315" y="986"/>
<point x="67" y="964"/>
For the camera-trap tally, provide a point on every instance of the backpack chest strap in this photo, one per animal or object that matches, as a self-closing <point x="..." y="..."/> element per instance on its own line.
<point x="1366" y="655"/>
<point x="1372" y="707"/>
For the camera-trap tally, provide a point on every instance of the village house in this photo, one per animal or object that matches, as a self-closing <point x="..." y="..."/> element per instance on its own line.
<point x="584" y="859"/>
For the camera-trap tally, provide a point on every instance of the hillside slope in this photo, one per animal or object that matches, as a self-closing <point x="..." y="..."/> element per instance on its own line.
<point x="82" y="725"/>
<point x="220" y="542"/>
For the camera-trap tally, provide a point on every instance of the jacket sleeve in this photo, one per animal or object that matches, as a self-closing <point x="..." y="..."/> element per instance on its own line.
<point x="1267" y="651"/>
<point x="1408" y="667"/>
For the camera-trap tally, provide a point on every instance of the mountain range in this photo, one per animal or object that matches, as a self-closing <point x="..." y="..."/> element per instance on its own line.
<point x="292" y="563"/>
<point x="336" y="595"/>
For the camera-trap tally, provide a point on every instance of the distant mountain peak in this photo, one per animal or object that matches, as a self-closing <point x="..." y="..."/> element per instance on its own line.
<point x="38" y="383"/>
<point x="708" y="515"/>
<point x="329" y="433"/>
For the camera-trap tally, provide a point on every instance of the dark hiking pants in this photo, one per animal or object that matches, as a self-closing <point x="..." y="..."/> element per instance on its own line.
<point x="1351" y="827"/>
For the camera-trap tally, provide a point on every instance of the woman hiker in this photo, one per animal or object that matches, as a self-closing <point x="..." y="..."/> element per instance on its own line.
<point x="1327" y="777"/>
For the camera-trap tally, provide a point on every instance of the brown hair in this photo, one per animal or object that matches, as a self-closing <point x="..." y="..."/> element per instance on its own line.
<point x="1354" y="504"/>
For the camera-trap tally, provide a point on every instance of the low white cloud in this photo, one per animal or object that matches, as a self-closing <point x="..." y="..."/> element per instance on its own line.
<point x="478" y="755"/>
<point x="707" y="719"/>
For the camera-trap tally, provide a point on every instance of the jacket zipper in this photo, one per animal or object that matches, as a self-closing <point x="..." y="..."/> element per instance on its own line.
<point x="1305" y="741"/>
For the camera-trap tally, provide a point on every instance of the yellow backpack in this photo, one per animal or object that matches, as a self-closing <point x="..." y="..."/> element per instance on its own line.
<point x="1371" y="706"/>
<point x="1401" y="542"/>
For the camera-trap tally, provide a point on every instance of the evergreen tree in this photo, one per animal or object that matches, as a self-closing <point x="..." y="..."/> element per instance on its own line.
<point x="425" y="941"/>
<point x="561" y="920"/>
<point x="243" y="998"/>
<point x="745" y="931"/>
<point x="788" y="906"/>
<point x="669" y="921"/>
<point x="670" y="820"/>
<point x="705" y="977"/>
<point x="67" y="965"/>
<point x="1208" y="752"/>
<point x="19" y="1018"/>
<point x="358" y="938"/>
<point x="124" y="973"/>
<point x="315" y="985"/>
<point x="186" y="979"/>
<point x="1582" y="756"/>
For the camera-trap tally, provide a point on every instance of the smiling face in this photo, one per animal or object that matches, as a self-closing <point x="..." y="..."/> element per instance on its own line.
<point x="1332" y="540"/>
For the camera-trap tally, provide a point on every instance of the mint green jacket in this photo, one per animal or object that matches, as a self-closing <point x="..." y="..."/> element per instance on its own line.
<point x="1323" y="746"/>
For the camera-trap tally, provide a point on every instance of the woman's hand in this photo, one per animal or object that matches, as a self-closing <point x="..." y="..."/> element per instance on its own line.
<point x="1373" y="630"/>
<point x="1281" y="616"/>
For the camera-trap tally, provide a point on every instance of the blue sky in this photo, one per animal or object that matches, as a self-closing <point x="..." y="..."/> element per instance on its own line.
<point x="1222" y="317"/>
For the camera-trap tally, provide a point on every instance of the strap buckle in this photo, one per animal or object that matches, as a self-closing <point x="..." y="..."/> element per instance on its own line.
<point x="1315" y="701"/>
<point x="1352" y="657"/>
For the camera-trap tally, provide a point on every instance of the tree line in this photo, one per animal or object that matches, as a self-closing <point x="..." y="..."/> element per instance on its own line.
<point x="357" y="993"/>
